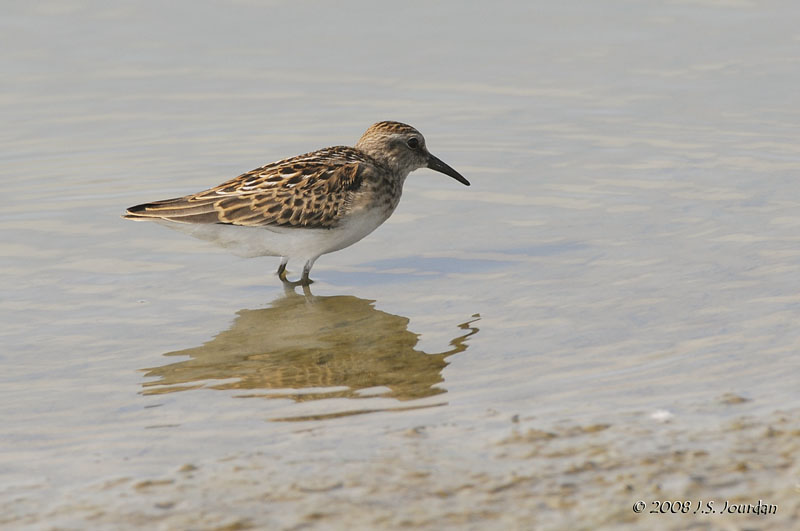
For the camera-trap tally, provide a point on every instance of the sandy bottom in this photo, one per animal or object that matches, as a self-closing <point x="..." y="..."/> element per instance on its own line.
<point x="565" y="477"/>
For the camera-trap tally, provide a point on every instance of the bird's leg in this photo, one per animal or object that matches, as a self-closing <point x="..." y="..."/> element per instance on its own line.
<point x="304" y="280"/>
<point x="307" y="290"/>
<point x="282" y="269"/>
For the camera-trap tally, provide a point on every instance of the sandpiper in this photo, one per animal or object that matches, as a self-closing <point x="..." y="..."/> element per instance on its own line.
<point x="305" y="206"/>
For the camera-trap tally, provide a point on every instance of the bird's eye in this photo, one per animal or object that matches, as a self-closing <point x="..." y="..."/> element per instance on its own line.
<point x="413" y="143"/>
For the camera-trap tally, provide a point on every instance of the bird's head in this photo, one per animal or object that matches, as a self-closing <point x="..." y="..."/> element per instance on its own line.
<point x="402" y="148"/>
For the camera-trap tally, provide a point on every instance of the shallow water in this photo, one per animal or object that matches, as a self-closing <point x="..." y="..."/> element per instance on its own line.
<point x="608" y="314"/>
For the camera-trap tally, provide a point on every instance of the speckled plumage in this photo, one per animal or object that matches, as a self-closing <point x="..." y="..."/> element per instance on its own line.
<point x="310" y="204"/>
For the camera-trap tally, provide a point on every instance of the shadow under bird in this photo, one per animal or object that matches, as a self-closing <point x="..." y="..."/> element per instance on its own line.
<point x="305" y="206"/>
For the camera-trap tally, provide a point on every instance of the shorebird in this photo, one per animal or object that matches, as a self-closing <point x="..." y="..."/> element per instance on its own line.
<point x="305" y="206"/>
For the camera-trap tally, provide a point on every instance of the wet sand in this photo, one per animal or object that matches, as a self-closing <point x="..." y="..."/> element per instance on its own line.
<point x="567" y="476"/>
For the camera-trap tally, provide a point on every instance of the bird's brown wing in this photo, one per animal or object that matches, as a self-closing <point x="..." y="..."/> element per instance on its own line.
<point x="312" y="190"/>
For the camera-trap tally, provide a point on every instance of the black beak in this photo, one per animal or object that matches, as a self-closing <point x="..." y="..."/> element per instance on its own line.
<point x="437" y="165"/>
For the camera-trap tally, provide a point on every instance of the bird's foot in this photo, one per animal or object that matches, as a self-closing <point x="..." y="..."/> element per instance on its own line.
<point x="304" y="280"/>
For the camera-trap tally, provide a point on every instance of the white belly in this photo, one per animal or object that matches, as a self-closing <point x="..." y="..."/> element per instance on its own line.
<point x="304" y="244"/>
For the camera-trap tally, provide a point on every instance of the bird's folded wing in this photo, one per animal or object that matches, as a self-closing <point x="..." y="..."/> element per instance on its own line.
<point x="298" y="192"/>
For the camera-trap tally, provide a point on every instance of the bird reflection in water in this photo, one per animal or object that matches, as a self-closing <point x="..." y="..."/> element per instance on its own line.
<point x="305" y="347"/>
